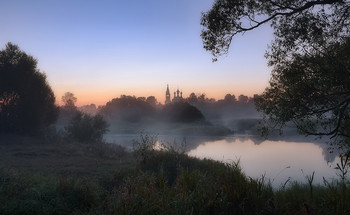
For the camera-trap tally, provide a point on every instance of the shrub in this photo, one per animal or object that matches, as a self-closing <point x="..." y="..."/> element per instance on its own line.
<point x="86" y="128"/>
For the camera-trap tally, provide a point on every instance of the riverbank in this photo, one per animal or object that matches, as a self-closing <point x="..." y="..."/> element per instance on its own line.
<point x="40" y="177"/>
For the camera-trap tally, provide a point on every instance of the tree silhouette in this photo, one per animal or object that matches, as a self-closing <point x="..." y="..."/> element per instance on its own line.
<point x="310" y="81"/>
<point x="69" y="99"/>
<point x="243" y="99"/>
<point x="182" y="112"/>
<point x="151" y="100"/>
<point x="313" y="92"/>
<point x="89" y="109"/>
<point x="296" y="22"/>
<point x="68" y="110"/>
<point x="192" y="98"/>
<point x="27" y="103"/>
<point x="230" y="98"/>
<point x="128" y="109"/>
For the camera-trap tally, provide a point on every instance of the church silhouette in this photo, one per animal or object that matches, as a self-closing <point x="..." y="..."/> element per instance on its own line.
<point x="177" y="96"/>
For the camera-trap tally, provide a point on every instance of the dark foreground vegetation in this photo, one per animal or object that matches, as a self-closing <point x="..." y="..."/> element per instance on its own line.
<point x="38" y="176"/>
<point x="75" y="172"/>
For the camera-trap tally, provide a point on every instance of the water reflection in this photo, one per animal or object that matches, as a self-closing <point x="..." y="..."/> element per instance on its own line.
<point x="292" y="157"/>
<point x="278" y="160"/>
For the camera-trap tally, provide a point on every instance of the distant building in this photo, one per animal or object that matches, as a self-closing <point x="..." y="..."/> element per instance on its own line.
<point x="167" y="95"/>
<point x="177" y="96"/>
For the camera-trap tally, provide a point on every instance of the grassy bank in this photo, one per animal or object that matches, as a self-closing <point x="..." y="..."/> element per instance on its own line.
<point x="37" y="177"/>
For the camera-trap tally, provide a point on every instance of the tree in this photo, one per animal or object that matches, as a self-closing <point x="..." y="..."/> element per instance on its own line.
<point x="192" y="98"/>
<point x="230" y="98"/>
<point x="88" y="109"/>
<point x="128" y="109"/>
<point x="143" y="99"/>
<point x="297" y="23"/>
<point x="68" y="110"/>
<point x="243" y="99"/>
<point x="201" y="98"/>
<point x="312" y="91"/>
<point x="86" y="128"/>
<point x="152" y="100"/>
<point x="182" y="112"/>
<point x="27" y="102"/>
<point x="69" y="101"/>
<point x="309" y="56"/>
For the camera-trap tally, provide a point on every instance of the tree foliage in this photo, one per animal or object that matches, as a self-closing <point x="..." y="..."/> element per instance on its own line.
<point x="68" y="110"/>
<point x="297" y="23"/>
<point x="87" y="128"/>
<point x="69" y="100"/>
<point x="309" y="58"/>
<point x="182" y="112"/>
<point x="27" y="103"/>
<point x="152" y="100"/>
<point x="313" y="91"/>
<point x="230" y="98"/>
<point x="129" y="109"/>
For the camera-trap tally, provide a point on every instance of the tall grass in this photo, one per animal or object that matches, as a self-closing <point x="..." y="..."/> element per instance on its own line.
<point x="170" y="182"/>
<point x="163" y="180"/>
<point x="36" y="194"/>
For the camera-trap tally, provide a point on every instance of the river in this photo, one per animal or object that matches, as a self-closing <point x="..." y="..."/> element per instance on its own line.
<point x="280" y="161"/>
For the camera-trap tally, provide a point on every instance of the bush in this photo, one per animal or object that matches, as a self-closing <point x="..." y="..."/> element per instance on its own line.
<point x="86" y="128"/>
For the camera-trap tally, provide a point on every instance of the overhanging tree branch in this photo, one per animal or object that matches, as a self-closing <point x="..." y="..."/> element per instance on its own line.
<point x="293" y="11"/>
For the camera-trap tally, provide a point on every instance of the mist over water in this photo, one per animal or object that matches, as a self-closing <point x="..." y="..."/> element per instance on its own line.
<point x="226" y="131"/>
<point x="278" y="160"/>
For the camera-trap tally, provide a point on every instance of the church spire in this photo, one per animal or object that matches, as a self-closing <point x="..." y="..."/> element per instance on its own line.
<point x="167" y="94"/>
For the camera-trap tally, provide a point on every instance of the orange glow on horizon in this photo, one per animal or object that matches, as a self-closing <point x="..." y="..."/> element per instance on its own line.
<point x="101" y="97"/>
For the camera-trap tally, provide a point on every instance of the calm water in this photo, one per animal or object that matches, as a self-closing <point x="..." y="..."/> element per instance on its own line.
<point x="279" y="161"/>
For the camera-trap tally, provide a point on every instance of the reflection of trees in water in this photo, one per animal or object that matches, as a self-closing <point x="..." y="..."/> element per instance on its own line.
<point x="189" y="142"/>
<point x="192" y="142"/>
<point x="329" y="154"/>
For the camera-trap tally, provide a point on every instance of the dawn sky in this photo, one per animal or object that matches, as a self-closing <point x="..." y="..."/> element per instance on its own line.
<point x="100" y="50"/>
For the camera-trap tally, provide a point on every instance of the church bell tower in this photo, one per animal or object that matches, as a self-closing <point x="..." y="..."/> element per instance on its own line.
<point x="167" y="95"/>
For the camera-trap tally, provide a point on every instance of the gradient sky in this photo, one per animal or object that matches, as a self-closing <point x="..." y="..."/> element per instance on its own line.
<point x="99" y="50"/>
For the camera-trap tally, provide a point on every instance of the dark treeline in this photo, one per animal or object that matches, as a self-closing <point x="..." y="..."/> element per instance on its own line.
<point x="237" y="114"/>
<point x="224" y="109"/>
<point x="131" y="114"/>
<point x="131" y="109"/>
<point x="135" y="109"/>
<point x="27" y="106"/>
